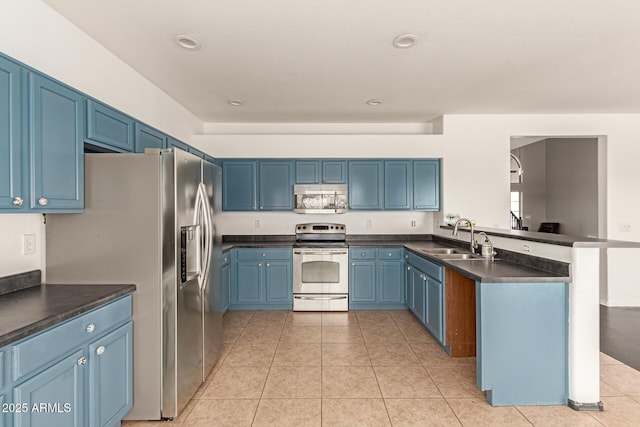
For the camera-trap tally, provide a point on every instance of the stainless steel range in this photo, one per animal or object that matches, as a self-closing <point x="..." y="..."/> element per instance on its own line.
<point x="320" y="268"/>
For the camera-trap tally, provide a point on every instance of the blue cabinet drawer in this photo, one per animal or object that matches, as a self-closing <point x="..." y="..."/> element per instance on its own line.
<point x="264" y="253"/>
<point x="40" y="350"/>
<point x="390" y="253"/>
<point x="363" y="253"/>
<point x="435" y="271"/>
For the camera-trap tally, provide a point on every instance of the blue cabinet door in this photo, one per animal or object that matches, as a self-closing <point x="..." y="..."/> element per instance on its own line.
<point x="366" y="187"/>
<point x="225" y="282"/>
<point x="362" y="281"/>
<point x="239" y="185"/>
<point x="4" y="415"/>
<point x="13" y="179"/>
<point x="250" y="285"/>
<point x="147" y="137"/>
<point x="108" y="127"/>
<point x="110" y="380"/>
<point x="426" y="185"/>
<point x="434" y="304"/>
<point x="174" y="143"/>
<point x="56" y="118"/>
<point x="390" y="281"/>
<point x="276" y="185"/>
<point x="398" y="185"/>
<point x="61" y="384"/>
<point x="419" y="284"/>
<point x="408" y="287"/>
<point x="278" y="281"/>
<point x="334" y="171"/>
<point x="307" y="171"/>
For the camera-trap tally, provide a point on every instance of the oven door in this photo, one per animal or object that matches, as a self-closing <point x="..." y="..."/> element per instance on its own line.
<point x="320" y="271"/>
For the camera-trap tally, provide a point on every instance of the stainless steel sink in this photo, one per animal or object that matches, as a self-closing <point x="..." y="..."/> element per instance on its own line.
<point x="442" y="251"/>
<point x="457" y="256"/>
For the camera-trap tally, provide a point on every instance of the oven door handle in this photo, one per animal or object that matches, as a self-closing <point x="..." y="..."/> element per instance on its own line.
<point x="329" y="298"/>
<point x="315" y="252"/>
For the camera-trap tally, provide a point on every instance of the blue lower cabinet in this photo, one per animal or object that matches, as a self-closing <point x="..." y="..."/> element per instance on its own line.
<point x="57" y="393"/>
<point x="110" y="381"/>
<point x="434" y="308"/>
<point x="522" y="333"/>
<point x="376" y="279"/>
<point x="390" y="280"/>
<point x="250" y="287"/>
<point x="77" y="373"/>
<point x="261" y="279"/>
<point x="225" y="282"/>
<point x="418" y="285"/>
<point x="362" y="281"/>
<point x="279" y="282"/>
<point x="408" y="287"/>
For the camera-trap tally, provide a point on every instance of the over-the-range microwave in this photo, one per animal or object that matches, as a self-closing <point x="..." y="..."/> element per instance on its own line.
<point x="320" y="198"/>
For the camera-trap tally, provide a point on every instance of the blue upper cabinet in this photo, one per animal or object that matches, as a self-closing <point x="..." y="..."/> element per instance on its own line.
<point x="321" y="172"/>
<point x="334" y="171"/>
<point x="56" y="119"/>
<point x="366" y="186"/>
<point x="109" y="128"/>
<point x="398" y="184"/>
<point x="426" y="185"/>
<point x="174" y="143"/>
<point x="308" y="172"/>
<point x="147" y="137"/>
<point x="239" y="185"/>
<point x="13" y="185"/>
<point x="276" y="185"/>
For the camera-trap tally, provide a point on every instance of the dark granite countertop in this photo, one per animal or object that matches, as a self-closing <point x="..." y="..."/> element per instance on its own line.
<point x="508" y="267"/>
<point x="33" y="309"/>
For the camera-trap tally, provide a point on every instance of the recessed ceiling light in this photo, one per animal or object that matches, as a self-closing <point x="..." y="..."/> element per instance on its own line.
<point x="374" y="102"/>
<point x="186" y="41"/>
<point x="404" y="41"/>
<point x="235" y="102"/>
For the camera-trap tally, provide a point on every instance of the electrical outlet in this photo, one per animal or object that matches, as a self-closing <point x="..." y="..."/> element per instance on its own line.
<point x="413" y="222"/>
<point x="256" y="223"/>
<point x="624" y="228"/>
<point x="526" y="248"/>
<point x="29" y="244"/>
<point x="369" y="223"/>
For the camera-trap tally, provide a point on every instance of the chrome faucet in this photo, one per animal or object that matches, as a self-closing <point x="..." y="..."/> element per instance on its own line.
<point x="472" y="244"/>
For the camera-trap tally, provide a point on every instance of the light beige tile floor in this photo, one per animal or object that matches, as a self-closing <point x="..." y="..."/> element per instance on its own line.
<point x="367" y="368"/>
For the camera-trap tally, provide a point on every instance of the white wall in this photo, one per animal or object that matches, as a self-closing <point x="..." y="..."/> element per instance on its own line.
<point x="34" y="34"/>
<point x="356" y="222"/>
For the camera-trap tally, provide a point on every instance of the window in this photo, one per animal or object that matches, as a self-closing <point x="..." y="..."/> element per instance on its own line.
<point x="515" y="203"/>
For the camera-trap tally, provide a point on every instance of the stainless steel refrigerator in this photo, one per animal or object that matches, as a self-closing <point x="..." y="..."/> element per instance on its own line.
<point x="150" y="220"/>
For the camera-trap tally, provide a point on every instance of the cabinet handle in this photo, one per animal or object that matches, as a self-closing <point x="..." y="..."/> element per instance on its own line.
<point x="225" y="259"/>
<point x="100" y="350"/>
<point x="82" y="361"/>
<point x="390" y="254"/>
<point x="363" y="254"/>
<point x="406" y="257"/>
<point x="353" y="263"/>
<point x="42" y="201"/>
<point x="259" y="264"/>
<point x="253" y="207"/>
<point x="264" y="254"/>
<point x="90" y="328"/>
<point x="17" y="201"/>
<point x="267" y="264"/>
<point x="409" y="268"/>
<point x="381" y="264"/>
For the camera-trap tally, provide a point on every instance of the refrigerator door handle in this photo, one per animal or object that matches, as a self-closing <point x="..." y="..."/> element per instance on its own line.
<point x="204" y="211"/>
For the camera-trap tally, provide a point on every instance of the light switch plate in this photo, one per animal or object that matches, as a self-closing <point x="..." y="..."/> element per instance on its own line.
<point x="29" y="244"/>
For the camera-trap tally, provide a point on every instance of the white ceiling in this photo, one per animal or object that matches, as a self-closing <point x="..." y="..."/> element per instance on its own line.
<point x="321" y="60"/>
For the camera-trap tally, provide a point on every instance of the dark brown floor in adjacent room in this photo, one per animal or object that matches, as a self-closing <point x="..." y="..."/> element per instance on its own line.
<point x="620" y="334"/>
